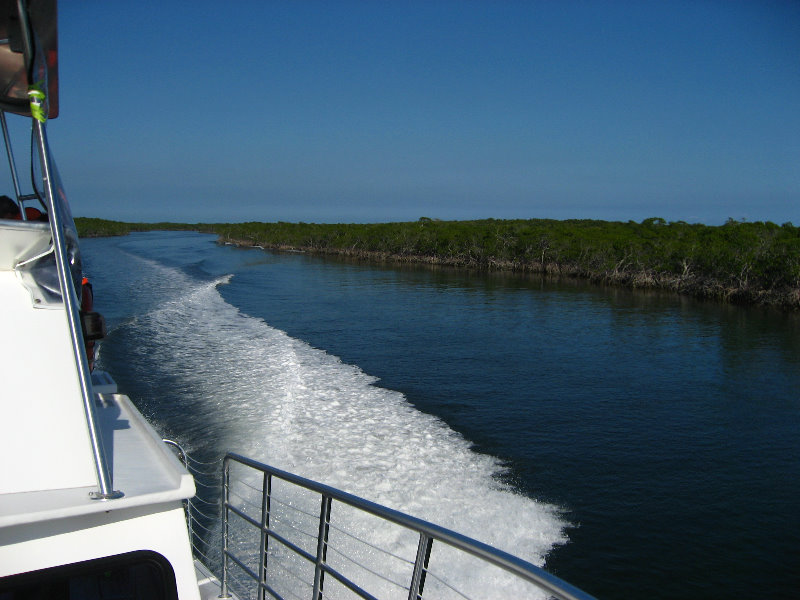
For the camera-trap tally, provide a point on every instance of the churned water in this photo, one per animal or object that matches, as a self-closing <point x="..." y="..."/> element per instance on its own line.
<point x="638" y="445"/>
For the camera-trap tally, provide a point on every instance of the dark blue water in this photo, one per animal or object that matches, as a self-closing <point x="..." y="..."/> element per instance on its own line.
<point x="665" y="430"/>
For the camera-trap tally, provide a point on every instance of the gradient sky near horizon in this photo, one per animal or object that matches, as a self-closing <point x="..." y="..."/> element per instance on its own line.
<point x="362" y="111"/>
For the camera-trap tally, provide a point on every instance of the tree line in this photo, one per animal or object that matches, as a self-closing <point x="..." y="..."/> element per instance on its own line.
<point x="743" y="262"/>
<point x="92" y="227"/>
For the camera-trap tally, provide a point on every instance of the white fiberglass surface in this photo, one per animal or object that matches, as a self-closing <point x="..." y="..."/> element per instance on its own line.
<point x="42" y="421"/>
<point x="244" y="386"/>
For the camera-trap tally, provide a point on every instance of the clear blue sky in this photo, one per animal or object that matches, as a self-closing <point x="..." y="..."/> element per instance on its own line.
<point x="384" y="111"/>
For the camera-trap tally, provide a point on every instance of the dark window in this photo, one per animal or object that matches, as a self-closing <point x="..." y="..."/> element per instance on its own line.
<point x="141" y="575"/>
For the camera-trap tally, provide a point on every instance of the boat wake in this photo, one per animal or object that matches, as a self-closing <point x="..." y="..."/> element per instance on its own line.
<point x="221" y="380"/>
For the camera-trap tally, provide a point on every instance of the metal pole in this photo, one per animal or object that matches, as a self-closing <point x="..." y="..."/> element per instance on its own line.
<point x="68" y="292"/>
<point x="22" y="10"/>
<point x="420" y="567"/>
<point x="68" y="296"/>
<point x="322" y="546"/>
<point x="262" y="559"/>
<point x="226" y="481"/>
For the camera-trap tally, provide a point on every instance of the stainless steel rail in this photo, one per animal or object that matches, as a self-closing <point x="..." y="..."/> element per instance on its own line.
<point x="187" y="505"/>
<point x="428" y="534"/>
<point x="59" y="217"/>
<point x="69" y="296"/>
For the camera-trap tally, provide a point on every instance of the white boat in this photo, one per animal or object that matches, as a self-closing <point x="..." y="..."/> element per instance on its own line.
<point x="93" y="503"/>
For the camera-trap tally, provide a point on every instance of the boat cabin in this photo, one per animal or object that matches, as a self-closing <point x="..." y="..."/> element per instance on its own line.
<point x="91" y="500"/>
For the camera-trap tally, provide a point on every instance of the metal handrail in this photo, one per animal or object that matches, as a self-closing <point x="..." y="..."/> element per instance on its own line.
<point x="181" y="452"/>
<point x="428" y="534"/>
<point x="71" y="307"/>
<point x="68" y="292"/>
<point x="187" y="505"/>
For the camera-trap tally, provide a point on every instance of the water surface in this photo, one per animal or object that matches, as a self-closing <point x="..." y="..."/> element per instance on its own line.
<point x="655" y="435"/>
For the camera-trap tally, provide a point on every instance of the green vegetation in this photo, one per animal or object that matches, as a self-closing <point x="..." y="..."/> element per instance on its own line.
<point x="91" y="227"/>
<point x="752" y="263"/>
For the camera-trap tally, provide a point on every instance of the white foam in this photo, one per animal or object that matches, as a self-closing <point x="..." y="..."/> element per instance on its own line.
<point x="280" y="401"/>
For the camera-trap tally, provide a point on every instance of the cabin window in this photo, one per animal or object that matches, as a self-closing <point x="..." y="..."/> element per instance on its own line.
<point x="141" y="575"/>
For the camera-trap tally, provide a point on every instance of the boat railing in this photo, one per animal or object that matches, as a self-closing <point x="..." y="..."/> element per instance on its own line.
<point x="287" y="536"/>
<point x="188" y="505"/>
<point x="203" y="511"/>
<point x="49" y="193"/>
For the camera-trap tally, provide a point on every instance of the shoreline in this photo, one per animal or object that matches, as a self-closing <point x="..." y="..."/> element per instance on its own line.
<point x="786" y="300"/>
<point x="754" y="264"/>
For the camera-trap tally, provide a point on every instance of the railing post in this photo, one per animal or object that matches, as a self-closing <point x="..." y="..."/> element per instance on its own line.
<point x="420" y="567"/>
<point x="322" y="546"/>
<point x="226" y="480"/>
<point x="266" y="491"/>
<point x="69" y="296"/>
<point x="427" y="532"/>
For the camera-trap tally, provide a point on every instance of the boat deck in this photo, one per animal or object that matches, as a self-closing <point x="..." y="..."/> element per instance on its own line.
<point x="142" y="467"/>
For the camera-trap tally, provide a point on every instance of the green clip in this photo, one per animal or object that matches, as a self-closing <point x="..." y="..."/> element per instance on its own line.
<point x="38" y="106"/>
